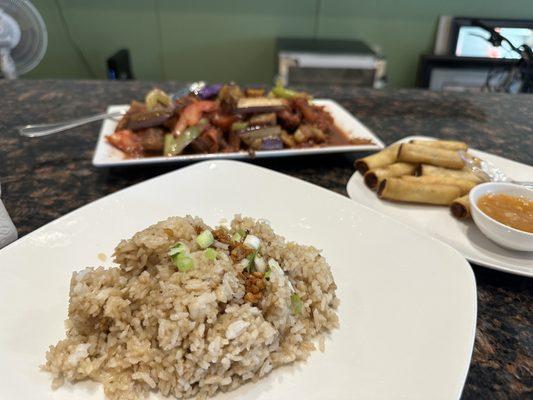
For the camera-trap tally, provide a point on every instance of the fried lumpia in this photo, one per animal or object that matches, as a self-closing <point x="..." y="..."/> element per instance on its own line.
<point x="381" y="159"/>
<point x="430" y="170"/>
<point x="464" y="184"/>
<point x="460" y="207"/>
<point x="442" y="144"/>
<point x="414" y="153"/>
<point x="374" y="176"/>
<point x="417" y="192"/>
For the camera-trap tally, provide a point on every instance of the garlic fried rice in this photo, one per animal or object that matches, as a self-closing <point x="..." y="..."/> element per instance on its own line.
<point x="192" y="310"/>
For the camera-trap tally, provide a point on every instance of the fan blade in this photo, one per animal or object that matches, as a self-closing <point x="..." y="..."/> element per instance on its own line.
<point x="7" y="65"/>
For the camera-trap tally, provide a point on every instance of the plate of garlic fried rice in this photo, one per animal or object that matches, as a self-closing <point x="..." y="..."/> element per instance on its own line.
<point x="305" y="294"/>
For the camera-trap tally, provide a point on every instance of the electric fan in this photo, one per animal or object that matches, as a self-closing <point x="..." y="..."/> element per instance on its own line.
<point x="23" y="37"/>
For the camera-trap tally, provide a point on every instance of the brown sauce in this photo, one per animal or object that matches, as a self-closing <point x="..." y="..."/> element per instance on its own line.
<point x="513" y="211"/>
<point x="337" y="137"/>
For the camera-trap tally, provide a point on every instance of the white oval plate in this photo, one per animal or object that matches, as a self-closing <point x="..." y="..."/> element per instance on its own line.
<point x="408" y="301"/>
<point x="106" y="155"/>
<point x="437" y="221"/>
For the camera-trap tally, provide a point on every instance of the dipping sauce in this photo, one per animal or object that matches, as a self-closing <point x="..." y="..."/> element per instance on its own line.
<point x="513" y="211"/>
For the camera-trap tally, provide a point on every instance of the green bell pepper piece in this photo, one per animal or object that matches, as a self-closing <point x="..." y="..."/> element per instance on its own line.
<point x="175" y="145"/>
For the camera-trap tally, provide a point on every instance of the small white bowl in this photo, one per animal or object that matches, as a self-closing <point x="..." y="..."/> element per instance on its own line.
<point x="504" y="235"/>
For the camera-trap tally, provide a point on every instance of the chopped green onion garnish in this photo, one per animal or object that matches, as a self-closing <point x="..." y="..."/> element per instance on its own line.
<point x="267" y="274"/>
<point x="296" y="302"/>
<point x="241" y="232"/>
<point x="274" y="266"/>
<point x="177" y="248"/>
<point x="251" y="257"/>
<point x="236" y="237"/>
<point x="210" y="254"/>
<point x="260" y="263"/>
<point x="183" y="262"/>
<point x="205" y="239"/>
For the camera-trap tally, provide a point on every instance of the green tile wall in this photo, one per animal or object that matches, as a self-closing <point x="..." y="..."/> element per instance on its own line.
<point x="211" y="39"/>
<point x="234" y="39"/>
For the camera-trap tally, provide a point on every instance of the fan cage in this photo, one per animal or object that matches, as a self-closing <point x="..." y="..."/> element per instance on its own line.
<point x="34" y="37"/>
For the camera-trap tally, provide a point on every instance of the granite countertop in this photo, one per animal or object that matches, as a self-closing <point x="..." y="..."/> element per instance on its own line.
<point x="43" y="179"/>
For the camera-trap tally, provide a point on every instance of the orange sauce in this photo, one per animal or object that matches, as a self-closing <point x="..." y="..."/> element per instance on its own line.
<point x="513" y="211"/>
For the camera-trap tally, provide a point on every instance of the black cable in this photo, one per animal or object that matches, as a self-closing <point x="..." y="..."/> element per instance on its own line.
<point x="523" y="66"/>
<point x="73" y="42"/>
<point x="495" y="38"/>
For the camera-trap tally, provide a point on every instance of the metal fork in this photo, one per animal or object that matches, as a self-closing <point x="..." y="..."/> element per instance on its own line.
<point x="38" y="130"/>
<point x="489" y="172"/>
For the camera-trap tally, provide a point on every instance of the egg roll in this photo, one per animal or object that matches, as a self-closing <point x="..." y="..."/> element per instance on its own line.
<point x="383" y="158"/>
<point x="417" y="192"/>
<point x="460" y="207"/>
<point x="442" y="144"/>
<point x="430" y="170"/>
<point x="414" y="153"/>
<point x="464" y="184"/>
<point x="374" y="176"/>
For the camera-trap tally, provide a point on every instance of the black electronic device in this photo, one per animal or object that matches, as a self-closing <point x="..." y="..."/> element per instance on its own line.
<point x="480" y="54"/>
<point x="119" y="66"/>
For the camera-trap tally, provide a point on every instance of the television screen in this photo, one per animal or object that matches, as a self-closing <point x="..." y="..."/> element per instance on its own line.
<point x="472" y="42"/>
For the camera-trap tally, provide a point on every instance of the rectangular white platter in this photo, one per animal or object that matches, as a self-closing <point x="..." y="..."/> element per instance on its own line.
<point x="106" y="155"/>
<point x="437" y="221"/>
<point x="407" y="301"/>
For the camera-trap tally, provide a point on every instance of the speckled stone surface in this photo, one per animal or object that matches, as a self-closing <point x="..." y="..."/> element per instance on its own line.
<point x="45" y="178"/>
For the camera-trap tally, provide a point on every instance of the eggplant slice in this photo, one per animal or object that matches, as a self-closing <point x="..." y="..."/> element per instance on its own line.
<point x="260" y="105"/>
